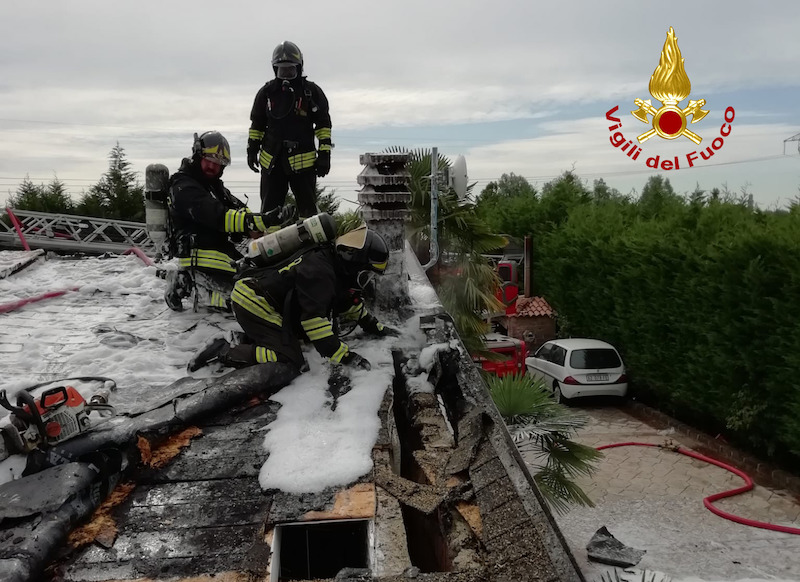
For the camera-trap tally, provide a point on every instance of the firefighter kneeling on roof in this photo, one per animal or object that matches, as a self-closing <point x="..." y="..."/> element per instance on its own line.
<point x="206" y="222"/>
<point x="301" y="298"/>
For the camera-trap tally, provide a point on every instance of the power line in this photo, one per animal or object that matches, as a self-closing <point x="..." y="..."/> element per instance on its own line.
<point x="345" y="182"/>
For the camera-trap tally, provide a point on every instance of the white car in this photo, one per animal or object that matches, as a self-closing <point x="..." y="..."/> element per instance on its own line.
<point x="577" y="367"/>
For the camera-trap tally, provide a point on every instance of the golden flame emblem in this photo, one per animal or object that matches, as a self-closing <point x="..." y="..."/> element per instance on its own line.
<point x="670" y="84"/>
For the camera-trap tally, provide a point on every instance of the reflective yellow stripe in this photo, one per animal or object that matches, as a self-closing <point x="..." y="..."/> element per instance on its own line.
<point x="323" y="133"/>
<point x="265" y="355"/>
<point x="258" y="221"/>
<point x="317" y="328"/>
<point x="234" y="220"/>
<point x="265" y="159"/>
<point x="218" y="299"/>
<point x="302" y="161"/>
<point x="380" y="266"/>
<point x="294" y="263"/>
<point x="337" y="357"/>
<point x="208" y="259"/>
<point x="249" y="300"/>
<point x="256" y="134"/>
<point x="325" y="148"/>
<point x="353" y="313"/>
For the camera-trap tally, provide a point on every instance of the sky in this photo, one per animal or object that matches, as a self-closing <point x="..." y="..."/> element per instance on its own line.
<point x="514" y="86"/>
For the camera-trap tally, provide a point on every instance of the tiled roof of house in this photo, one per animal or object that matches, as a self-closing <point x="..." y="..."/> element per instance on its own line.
<point x="533" y="307"/>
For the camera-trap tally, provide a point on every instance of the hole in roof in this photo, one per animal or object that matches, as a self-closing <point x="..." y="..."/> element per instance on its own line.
<point x="309" y="551"/>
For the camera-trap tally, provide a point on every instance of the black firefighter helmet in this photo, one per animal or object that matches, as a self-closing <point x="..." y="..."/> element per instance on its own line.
<point x="287" y="60"/>
<point x="213" y="146"/>
<point x="363" y="249"/>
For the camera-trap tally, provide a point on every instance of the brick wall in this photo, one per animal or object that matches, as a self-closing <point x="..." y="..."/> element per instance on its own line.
<point x="543" y="328"/>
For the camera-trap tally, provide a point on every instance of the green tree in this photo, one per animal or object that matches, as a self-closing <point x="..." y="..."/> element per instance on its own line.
<point x="602" y="192"/>
<point x="558" y="198"/>
<point x="507" y="187"/>
<point x="698" y="196"/>
<point x="40" y="198"/>
<point x="326" y="201"/>
<point x="118" y="194"/>
<point x="657" y="196"/>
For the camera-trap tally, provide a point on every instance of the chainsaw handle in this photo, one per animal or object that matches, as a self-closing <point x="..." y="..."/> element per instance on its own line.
<point x="34" y="415"/>
<point x="4" y="401"/>
<point x="18" y="410"/>
<point x="58" y="390"/>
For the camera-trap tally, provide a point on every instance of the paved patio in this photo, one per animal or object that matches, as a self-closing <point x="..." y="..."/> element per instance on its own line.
<point x="652" y="499"/>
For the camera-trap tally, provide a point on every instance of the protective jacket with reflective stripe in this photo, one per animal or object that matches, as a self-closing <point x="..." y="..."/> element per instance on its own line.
<point x="205" y="212"/>
<point x="304" y="294"/>
<point x="285" y="119"/>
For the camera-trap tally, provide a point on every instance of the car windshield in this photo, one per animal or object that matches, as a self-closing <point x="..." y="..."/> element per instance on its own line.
<point x="594" y="358"/>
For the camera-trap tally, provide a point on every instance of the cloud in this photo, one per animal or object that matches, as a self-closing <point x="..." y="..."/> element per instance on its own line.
<point x="88" y="73"/>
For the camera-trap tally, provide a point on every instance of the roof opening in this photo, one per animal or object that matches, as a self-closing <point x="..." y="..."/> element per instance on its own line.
<point x="308" y="551"/>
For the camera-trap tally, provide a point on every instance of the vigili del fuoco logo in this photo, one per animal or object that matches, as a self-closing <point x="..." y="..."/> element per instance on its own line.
<point x="670" y="85"/>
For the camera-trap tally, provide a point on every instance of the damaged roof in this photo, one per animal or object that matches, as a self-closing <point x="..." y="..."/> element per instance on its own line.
<point x="170" y="489"/>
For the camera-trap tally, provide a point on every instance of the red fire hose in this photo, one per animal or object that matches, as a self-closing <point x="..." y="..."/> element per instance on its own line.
<point x="139" y="253"/>
<point x="709" y="501"/>
<point x="6" y="307"/>
<point x="18" y="228"/>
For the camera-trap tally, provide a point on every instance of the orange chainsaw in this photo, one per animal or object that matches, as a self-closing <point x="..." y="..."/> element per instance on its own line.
<point x="57" y="415"/>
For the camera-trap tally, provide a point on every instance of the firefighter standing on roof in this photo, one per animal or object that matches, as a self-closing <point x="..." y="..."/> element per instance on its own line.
<point x="206" y="221"/>
<point x="288" y="113"/>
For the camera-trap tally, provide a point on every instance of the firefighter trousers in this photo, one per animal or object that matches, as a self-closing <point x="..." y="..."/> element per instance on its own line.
<point x="275" y="184"/>
<point x="271" y="340"/>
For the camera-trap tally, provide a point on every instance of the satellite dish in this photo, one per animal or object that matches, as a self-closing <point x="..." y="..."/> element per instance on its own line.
<point x="458" y="177"/>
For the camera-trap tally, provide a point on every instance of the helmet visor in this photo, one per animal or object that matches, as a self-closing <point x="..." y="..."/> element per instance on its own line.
<point x="287" y="71"/>
<point x="218" y="154"/>
<point x="378" y="267"/>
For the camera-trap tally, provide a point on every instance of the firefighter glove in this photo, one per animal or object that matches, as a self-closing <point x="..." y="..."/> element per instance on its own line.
<point x="387" y="331"/>
<point x="281" y="214"/>
<point x="257" y="222"/>
<point x="252" y="160"/>
<point x="323" y="165"/>
<point x="354" y="360"/>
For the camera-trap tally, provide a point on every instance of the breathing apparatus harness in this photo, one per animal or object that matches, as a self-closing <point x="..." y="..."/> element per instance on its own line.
<point x="297" y="104"/>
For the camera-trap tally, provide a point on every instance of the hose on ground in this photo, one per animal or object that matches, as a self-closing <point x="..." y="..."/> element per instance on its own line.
<point x="709" y="501"/>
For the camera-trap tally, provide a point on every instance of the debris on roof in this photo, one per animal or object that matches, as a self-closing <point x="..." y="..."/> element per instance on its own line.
<point x="443" y="494"/>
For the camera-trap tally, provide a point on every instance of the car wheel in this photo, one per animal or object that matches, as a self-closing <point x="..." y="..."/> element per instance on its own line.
<point x="558" y="396"/>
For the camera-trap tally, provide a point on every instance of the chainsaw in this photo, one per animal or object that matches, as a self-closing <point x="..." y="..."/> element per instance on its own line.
<point x="59" y="414"/>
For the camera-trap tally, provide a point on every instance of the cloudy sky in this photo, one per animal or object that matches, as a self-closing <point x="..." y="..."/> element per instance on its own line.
<point x="514" y="85"/>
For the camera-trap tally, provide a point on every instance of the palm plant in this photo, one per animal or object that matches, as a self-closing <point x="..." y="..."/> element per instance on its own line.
<point x="347" y="221"/>
<point x="462" y="237"/>
<point x="542" y="428"/>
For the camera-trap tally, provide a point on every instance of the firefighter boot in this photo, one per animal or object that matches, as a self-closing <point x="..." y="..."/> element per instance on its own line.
<point x="213" y="351"/>
<point x="179" y="285"/>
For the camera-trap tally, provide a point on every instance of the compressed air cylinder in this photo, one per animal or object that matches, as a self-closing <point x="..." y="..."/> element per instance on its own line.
<point x="156" y="184"/>
<point x="280" y="245"/>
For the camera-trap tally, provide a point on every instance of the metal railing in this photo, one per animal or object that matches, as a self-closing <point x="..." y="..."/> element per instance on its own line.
<point x="72" y="233"/>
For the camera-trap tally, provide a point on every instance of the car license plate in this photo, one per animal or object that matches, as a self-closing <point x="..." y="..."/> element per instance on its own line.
<point x="597" y="377"/>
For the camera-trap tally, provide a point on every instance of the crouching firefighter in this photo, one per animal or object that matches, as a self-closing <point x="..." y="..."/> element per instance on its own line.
<point x="298" y="300"/>
<point x="206" y="223"/>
